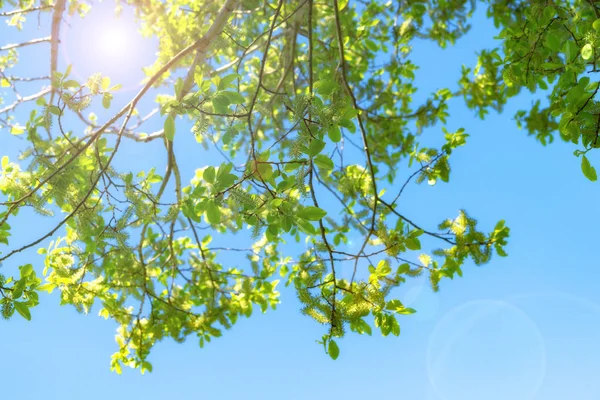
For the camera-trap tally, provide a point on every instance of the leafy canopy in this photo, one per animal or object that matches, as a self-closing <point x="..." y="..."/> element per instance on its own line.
<point x="310" y="105"/>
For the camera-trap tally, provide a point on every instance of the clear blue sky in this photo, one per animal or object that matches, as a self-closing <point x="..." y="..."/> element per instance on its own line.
<point x="522" y="327"/>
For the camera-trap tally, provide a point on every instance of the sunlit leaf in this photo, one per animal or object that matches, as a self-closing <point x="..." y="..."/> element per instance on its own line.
<point x="169" y="128"/>
<point x="333" y="350"/>
<point x="588" y="170"/>
<point x="311" y="213"/>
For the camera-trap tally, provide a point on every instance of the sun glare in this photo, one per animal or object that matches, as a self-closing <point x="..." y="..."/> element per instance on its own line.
<point x="115" y="43"/>
<point x="104" y="43"/>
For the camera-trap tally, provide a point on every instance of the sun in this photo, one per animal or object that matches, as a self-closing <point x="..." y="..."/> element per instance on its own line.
<point x="105" y="43"/>
<point x="115" y="43"/>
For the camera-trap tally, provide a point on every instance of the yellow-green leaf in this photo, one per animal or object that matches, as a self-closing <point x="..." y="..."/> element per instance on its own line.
<point x="213" y="213"/>
<point x="169" y="128"/>
<point x="22" y="309"/>
<point x="17" y="129"/>
<point x="226" y="81"/>
<point x="588" y="170"/>
<point x="333" y="349"/>
<point x="233" y="97"/>
<point x="48" y="287"/>
<point x="587" y="52"/>
<point x="209" y="175"/>
<point x="315" y="147"/>
<point x="413" y="243"/>
<point x="324" y="162"/>
<point x="311" y="213"/>
<point x="106" y="99"/>
<point x="105" y="82"/>
<point x="71" y="84"/>
<point x="334" y="133"/>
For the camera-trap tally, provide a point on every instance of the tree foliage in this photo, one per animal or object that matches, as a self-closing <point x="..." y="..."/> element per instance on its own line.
<point x="310" y="104"/>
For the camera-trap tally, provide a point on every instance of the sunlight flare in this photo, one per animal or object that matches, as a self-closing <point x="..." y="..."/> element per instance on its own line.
<point x="108" y="44"/>
<point x="115" y="43"/>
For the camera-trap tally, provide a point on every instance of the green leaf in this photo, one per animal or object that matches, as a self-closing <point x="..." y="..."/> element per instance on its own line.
<point x="71" y="84"/>
<point x="333" y="350"/>
<point x="596" y="25"/>
<point x="26" y="270"/>
<point x="264" y="170"/>
<point x="385" y="325"/>
<point x="394" y="305"/>
<point x="324" y="162"/>
<point x="169" y="128"/>
<point x="394" y="325"/>
<point x="55" y="110"/>
<point x="311" y="213"/>
<point x="209" y="174"/>
<point x="371" y="45"/>
<point x="552" y="65"/>
<point x="570" y="49"/>
<point x="198" y="78"/>
<point x="416" y="233"/>
<point x="213" y="213"/>
<point x="413" y="243"/>
<point x="549" y="12"/>
<point x="18" y="289"/>
<point x="146" y="366"/>
<point x="348" y="124"/>
<point x="334" y="133"/>
<point x="588" y="170"/>
<point x="325" y="88"/>
<point x="553" y="42"/>
<point x="366" y="328"/>
<point x="250" y="4"/>
<point x="68" y="70"/>
<point x="233" y="97"/>
<point x="22" y="309"/>
<point x="178" y="88"/>
<point x="106" y="100"/>
<point x="315" y="147"/>
<point x="221" y="103"/>
<point x="587" y="52"/>
<point x="306" y="227"/>
<point x="227" y="80"/>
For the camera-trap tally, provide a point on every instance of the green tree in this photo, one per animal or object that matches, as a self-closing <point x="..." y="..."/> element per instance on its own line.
<point x="311" y="106"/>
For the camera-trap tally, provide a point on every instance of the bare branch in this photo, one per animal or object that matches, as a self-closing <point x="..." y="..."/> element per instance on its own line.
<point x="36" y="96"/>
<point x="23" y="44"/>
<point x="24" y="11"/>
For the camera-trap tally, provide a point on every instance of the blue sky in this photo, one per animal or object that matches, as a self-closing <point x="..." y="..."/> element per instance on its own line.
<point x="521" y="327"/>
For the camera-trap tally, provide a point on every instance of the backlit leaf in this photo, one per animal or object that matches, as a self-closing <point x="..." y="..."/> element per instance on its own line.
<point x="169" y="128"/>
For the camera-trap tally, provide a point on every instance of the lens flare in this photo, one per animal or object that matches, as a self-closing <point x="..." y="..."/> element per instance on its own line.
<point x="115" y="43"/>
<point x="105" y="43"/>
<point x="486" y="349"/>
